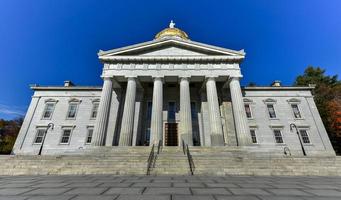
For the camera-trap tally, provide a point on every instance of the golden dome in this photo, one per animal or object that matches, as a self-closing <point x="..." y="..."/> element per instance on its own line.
<point x="172" y="31"/>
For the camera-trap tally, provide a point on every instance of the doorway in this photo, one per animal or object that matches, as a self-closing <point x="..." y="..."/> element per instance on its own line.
<point x="171" y="134"/>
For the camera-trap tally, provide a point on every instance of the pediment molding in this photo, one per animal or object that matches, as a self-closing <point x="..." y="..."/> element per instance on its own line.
<point x="157" y="44"/>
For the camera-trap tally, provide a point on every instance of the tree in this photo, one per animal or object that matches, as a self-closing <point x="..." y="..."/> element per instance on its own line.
<point x="9" y="130"/>
<point x="327" y="96"/>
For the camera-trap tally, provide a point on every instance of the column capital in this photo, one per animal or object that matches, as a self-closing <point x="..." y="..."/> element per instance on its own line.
<point x="160" y="78"/>
<point x="184" y="78"/>
<point x="210" y="78"/>
<point x="233" y="78"/>
<point x="131" y="77"/>
<point x="107" y="78"/>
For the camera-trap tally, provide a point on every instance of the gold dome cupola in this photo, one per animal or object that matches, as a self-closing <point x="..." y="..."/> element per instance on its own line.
<point x="171" y="32"/>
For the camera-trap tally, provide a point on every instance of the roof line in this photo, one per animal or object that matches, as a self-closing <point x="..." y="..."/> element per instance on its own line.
<point x="167" y="40"/>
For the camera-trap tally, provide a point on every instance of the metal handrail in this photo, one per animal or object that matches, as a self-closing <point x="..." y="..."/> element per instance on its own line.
<point x="186" y="151"/>
<point x="183" y="147"/>
<point x="153" y="156"/>
<point x="150" y="159"/>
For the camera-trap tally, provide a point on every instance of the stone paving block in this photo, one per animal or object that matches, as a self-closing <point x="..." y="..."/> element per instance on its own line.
<point x="82" y="184"/>
<point x="144" y="197"/>
<point x="192" y="197"/>
<point x="13" y="197"/>
<point x="280" y="185"/>
<point x="212" y="191"/>
<point x="14" y="191"/>
<point x="111" y="184"/>
<point x="288" y="192"/>
<point x="47" y="191"/>
<point x="162" y="184"/>
<point x="168" y="181"/>
<point x="138" y="181"/>
<point x="228" y="197"/>
<point x="255" y="185"/>
<point x="200" y="181"/>
<point x="192" y="185"/>
<point x="321" y="198"/>
<point x="50" y="185"/>
<point x="94" y="197"/>
<point x="86" y="190"/>
<point x="282" y="198"/>
<point x="224" y="185"/>
<point x="332" y="193"/>
<point x="16" y="185"/>
<point x="157" y="191"/>
<point x="248" y="191"/>
<point x="321" y="186"/>
<point x="57" y="197"/>
<point x="124" y="191"/>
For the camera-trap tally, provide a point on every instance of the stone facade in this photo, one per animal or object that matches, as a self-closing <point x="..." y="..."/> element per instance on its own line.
<point x="172" y="89"/>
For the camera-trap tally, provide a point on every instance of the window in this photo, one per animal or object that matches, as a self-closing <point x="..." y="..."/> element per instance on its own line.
<point x="149" y="110"/>
<point x="94" y="110"/>
<point x="248" y="111"/>
<point x="66" y="136"/>
<point x="253" y="135"/>
<point x="171" y="111"/>
<point x="194" y="111"/>
<point x="71" y="114"/>
<point x="297" y="113"/>
<point x="278" y="136"/>
<point x="49" y="107"/>
<point x="304" y="136"/>
<point x="271" y="110"/>
<point x="89" y="135"/>
<point x="39" y="136"/>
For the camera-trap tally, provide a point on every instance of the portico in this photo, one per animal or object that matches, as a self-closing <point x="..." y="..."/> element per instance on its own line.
<point x="178" y="81"/>
<point x="172" y="99"/>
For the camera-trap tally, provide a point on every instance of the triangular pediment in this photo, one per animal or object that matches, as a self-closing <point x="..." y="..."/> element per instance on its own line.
<point x="171" y="47"/>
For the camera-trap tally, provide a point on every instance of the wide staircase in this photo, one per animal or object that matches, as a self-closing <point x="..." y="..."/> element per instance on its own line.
<point x="170" y="160"/>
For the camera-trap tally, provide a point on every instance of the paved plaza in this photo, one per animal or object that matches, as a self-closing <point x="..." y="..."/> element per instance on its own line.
<point x="168" y="187"/>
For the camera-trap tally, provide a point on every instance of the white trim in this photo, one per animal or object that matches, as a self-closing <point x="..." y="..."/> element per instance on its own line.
<point x="68" y="110"/>
<point x="299" y="111"/>
<point x="61" y="137"/>
<point x="92" y="109"/>
<point x="282" y="136"/>
<point x="250" y="107"/>
<point x="186" y="43"/>
<point x="35" y="137"/>
<point x="54" y="106"/>
<point x="87" y="134"/>
<point x="255" y="131"/>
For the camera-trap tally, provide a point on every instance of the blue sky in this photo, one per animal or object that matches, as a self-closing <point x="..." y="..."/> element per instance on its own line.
<point x="49" y="41"/>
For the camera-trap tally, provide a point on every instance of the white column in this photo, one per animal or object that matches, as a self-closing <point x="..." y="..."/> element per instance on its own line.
<point x="217" y="138"/>
<point x="103" y="112"/>
<point x="242" y="128"/>
<point x="127" y="124"/>
<point x="185" y="112"/>
<point x="157" y="119"/>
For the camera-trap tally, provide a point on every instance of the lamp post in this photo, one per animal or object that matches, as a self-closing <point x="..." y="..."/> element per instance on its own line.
<point x="50" y="125"/>
<point x="292" y="125"/>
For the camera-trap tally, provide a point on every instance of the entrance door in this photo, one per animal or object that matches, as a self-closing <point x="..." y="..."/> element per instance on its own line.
<point x="171" y="134"/>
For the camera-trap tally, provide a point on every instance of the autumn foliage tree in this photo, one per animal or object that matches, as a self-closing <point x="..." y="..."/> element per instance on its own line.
<point x="9" y="130"/>
<point x="327" y="95"/>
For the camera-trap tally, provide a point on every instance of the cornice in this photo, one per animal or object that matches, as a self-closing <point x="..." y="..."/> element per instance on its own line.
<point x="170" y="58"/>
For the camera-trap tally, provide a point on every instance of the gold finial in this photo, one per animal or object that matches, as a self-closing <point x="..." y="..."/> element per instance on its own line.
<point x="171" y="32"/>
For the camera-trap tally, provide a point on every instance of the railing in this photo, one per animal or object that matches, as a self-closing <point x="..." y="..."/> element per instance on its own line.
<point x="153" y="156"/>
<point x="186" y="151"/>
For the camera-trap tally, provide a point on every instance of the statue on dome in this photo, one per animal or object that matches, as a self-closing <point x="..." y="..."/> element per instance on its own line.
<point x="171" y="24"/>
